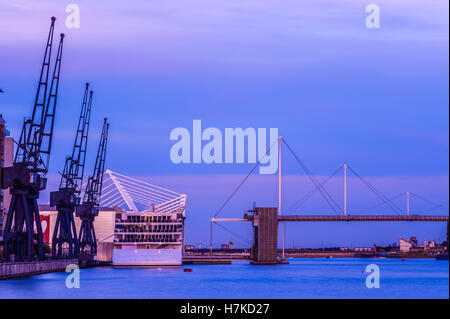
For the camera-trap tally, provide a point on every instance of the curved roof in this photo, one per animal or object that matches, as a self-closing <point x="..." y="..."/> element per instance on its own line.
<point x="136" y="195"/>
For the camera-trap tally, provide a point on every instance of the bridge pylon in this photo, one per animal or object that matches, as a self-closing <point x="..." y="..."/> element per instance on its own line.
<point x="265" y="236"/>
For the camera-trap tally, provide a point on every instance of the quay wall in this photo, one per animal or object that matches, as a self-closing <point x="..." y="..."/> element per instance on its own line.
<point x="21" y="269"/>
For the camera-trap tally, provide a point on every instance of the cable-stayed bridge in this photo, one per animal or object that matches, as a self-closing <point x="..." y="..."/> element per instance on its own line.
<point x="266" y="220"/>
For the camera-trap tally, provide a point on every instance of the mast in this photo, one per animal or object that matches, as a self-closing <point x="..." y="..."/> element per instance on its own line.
<point x="283" y="258"/>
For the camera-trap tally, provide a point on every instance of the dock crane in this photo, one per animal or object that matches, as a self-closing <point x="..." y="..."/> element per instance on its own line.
<point x="68" y="196"/>
<point x="26" y="178"/>
<point x="88" y="210"/>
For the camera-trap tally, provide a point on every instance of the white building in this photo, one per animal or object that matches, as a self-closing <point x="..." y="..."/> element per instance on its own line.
<point x="405" y="245"/>
<point x="104" y="225"/>
<point x="429" y="244"/>
<point x="139" y="224"/>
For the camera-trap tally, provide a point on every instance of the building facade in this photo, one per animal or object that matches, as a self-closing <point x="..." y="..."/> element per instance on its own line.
<point x="6" y="159"/>
<point x="103" y="224"/>
<point x="126" y="235"/>
<point x="405" y="245"/>
<point x="2" y="155"/>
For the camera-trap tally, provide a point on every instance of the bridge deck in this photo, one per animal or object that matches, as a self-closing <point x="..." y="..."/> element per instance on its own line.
<point x="341" y="218"/>
<point x="362" y="218"/>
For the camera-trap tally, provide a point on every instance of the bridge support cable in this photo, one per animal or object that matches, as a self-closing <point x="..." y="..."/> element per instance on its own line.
<point x="441" y="206"/>
<point x="308" y="195"/>
<point x="237" y="189"/>
<point x="331" y="202"/>
<point x="243" y="240"/>
<point x="384" y="203"/>
<point x="434" y="205"/>
<point x="243" y="181"/>
<point x="378" y="193"/>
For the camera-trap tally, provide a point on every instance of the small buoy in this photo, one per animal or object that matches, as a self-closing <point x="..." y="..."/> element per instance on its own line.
<point x="403" y="259"/>
<point x="187" y="270"/>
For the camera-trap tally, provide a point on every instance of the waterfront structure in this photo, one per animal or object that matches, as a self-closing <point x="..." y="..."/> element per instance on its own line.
<point x="66" y="198"/>
<point x="265" y="234"/>
<point x="148" y="238"/>
<point x="429" y="247"/>
<point x="2" y="161"/>
<point x="265" y="223"/>
<point x="26" y="178"/>
<point x="138" y="224"/>
<point x="103" y="225"/>
<point x="363" y="249"/>
<point x="88" y="210"/>
<point x="405" y="245"/>
<point x="15" y="270"/>
<point x="157" y="236"/>
<point x="149" y="221"/>
<point x="429" y="244"/>
<point x="6" y="160"/>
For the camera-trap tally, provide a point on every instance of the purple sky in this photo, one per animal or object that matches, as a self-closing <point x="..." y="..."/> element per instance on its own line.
<point x="337" y="91"/>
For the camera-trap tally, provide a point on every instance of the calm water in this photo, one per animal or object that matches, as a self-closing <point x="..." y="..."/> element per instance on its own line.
<point x="303" y="278"/>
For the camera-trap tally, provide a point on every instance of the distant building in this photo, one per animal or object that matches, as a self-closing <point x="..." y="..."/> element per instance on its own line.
<point x="406" y="245"/>
<point x="363" y="249"/>
<point x="429" y="244"/>
<point x="225" y="246"/>
<point x="344" y="249"/>
<point x="189" y="247"/>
